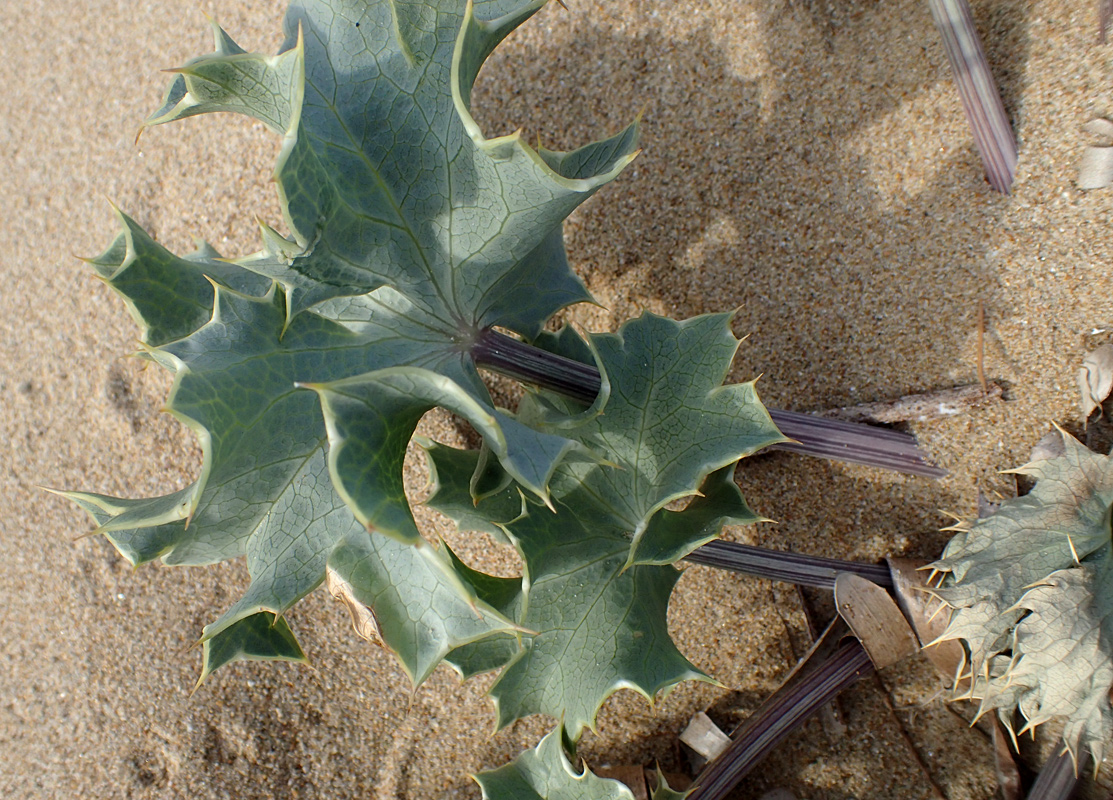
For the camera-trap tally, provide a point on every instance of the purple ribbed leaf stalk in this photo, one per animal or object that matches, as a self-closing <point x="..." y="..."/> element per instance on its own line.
<point x="783" y="712"/>
<point x="993" y="134"/>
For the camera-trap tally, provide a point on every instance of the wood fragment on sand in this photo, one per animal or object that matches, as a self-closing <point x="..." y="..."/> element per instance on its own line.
<point x="921" y="407"/>
<point x="874" y="617"/>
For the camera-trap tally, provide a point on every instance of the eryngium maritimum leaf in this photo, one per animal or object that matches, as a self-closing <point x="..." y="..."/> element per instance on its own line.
<point x="598" y="562"/>
<point x="544" y="773"/>
<point x="410" y="232"/>
<point x="1032" y="590"/>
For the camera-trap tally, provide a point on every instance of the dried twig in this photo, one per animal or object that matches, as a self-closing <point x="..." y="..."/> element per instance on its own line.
<point x="829" y="667"/>
<point x="921" y="407"/>
<point x="778" y="565"/>
<point x="814" y="436"/>
<point x="981" y="346"/>
<point x="1059" y="776"/>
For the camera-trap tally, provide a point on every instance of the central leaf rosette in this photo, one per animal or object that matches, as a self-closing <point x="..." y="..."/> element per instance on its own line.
<point x="305" y="368"/>
<point x="410" y="232"/>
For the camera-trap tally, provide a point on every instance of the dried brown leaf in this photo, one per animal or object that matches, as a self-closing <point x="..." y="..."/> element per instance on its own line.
<point x="874" y="617"/>
<point x="927" y="614"/>
<point x="363" y="618"/>
<point x="1095" y="377"/>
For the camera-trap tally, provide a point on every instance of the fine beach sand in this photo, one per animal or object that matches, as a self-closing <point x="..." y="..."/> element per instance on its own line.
<point x="805" y="161"/>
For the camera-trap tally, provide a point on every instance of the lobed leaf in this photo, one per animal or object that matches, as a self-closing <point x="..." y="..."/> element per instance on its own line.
<point x="268" y="88"/>
<point x="410" y="232"/>
<point x="1032" y="591"/>
<point x="668" y="424"/>
<point x="169" y="297"/>
<point x="422" y="606"/>
<point x="598" y="572"/>
<point x="544" y="773"/>
<point x="260" y="637"/>
<point x="385" y="178"/>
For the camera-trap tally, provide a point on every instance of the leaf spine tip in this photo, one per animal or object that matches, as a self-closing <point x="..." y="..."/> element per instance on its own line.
<point x="1073" y="552"/>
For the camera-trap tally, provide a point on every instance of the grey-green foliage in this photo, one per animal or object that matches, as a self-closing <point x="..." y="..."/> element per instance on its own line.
<point x="1032" y="591"/>
<point x="544" y="773"/>
<point x="598" y="564"/>
<point x="304" y="369"/>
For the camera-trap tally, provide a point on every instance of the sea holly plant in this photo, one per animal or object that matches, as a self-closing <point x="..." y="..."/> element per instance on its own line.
<point x="304" y="369"/>
<point x="1032" y="591"/>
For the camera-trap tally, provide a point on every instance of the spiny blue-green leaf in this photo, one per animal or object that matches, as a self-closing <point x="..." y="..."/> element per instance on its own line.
<point x="371" y="418"/>
<point x="422" y="607"/>
<point x="476" y="494"/>
<point x="268" y="88"/>
<point x="141" y="529"/>
<point x="169" y="297"/>
<point x="1032" y="591"/>
<point x="669" y="423"/>
<point x="260" y="637"/>
<point x="408" y="233"/>
<point x="591" y="626"/>
<point x="600" y="625"/>
<point x="506" y="596"/>
<point x="544" y="773"/>
<point x="597" y="614"/>
<point x="385" y="177"/>
<point x="671" y="535"/>
<point x="264" y="489"/>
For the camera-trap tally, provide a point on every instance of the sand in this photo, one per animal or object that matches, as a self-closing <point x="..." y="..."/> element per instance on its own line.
<point x="805" y="162"/>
